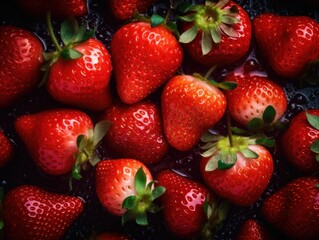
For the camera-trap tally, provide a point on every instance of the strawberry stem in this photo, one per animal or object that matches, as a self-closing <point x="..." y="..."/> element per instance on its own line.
<point x="210" y="71"/>
<point x="51" y="33"/>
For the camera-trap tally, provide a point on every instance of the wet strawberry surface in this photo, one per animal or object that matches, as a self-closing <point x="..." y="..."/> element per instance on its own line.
<point x="21" y="169"/>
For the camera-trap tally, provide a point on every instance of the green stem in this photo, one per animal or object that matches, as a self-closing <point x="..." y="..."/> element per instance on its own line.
<point x="230" y="134"/>
<point x="51" y="33"/>
<point x="210" y="71"/>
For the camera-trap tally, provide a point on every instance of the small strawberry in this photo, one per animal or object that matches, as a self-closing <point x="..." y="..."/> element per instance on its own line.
<point x="287" y="43"/>
<point x="144" y="58"/>
<point x="20" y="63"/>
<point x="112" y="236"/>
<point x="79" y="72"/>
<point x="300" y="142"/>
<point x="125" y="188"/>
<point x="6" y="149"/>
<point x="125" y="9"/>
<point x="253" y="230"/>
<point x="31" y="213"/>
<point x="216" y="33"/>
<point x="293" y="209"/>
<point x="138" y="129"/>
<point x="60" y="140"/>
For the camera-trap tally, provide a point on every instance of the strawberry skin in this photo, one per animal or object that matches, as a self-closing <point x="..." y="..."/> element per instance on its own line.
<point x="144" y="58"/>
<point x="183" y="204"/>
<point x="293" y="209"/>
<point x="83" y="82"/>
<point x="30" y="212"/>
<point x="20" y="63"/>
<point x="6" y="149"/>
<point x="251" y="97"/>
<point x="138" y="129"/>
<point x="287" y="43"/>
<point x="253" y="230"/>
<point x="112" y="236"/>
<point x="296" y="142"/>
<point x="50" y="137"/>
<point x="190" y="107"/>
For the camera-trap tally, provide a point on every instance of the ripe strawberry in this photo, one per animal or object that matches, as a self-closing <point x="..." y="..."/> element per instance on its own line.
<point x="125" y="188"/>
<point x="216" y="33"/>
<point x="293" y="209"/>
<point x="236" y="168"/>
<point x="20" y="63"/>
<point x="58" y="8"/>
<point x="253" y="230"/>
<point x="300" y="142"/>
<point x="125" y="9"/>
<point x="190" y="106"/>
<point x="60" y="140"/>
<point x="252" y="96"/>
<point x="144" y="58"/>
<point x="137" y="129"/>
<point x="112" y="236"/>
<point x="32" y="213"/>
<point x="79" y="73"/>
<point x="287" y="43"/>
<point x="6" y="149"/>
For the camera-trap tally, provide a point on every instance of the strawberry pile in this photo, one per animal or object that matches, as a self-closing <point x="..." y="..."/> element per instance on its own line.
<point x="159" y="120"/>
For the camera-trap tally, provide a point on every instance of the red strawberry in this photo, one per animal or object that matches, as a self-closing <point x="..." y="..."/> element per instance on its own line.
<point x="300" y="142"/>
<point x="144" y="58"/>
<point x="252" y="96"/>
<point x="137" y="129"/>
<point x="190" y="106"/>
<point x="293" y="209"/>
<point x="216" y="33"/>
<point x="58" y="8"/>
<point x="287" y="43"/>
<point x="253" y="230"/>
<point x="125" y="9"/>
<point x="31" y="213"/>
<point x="20" y="63"/>
<point x="79" y="72"/>
<point x="60" y="140"/>
<point x="125" y="188"/>
<point x="112" y="236"/>
<point x="6" y="149"/>
<point x="238" y="170"/>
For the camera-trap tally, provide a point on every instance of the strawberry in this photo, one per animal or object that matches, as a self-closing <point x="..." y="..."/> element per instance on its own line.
<point x="125" y="188"/>
<point x="144" y="58"/>
<point x="79" y="72"/>
<point x="216" y="33"/>
<point x="60" y="140"/>
<point x="112" y="236"/>
<point x="30" y="212"/>
<point x="190" y="106"/>
<point x="138" y="129"/>
<point x="300" y="142"/>
<point x="6" y="149"/>
<point x="287" y="43"/>
<point x="236" y="168"/>
<point x="253" y="230"/>
<point x="125" y="9"/>
<point x="293" y="209"/>
<point x="58" y="8"/>
<point x="20" y="63"/>
<point x="252" y="96"/>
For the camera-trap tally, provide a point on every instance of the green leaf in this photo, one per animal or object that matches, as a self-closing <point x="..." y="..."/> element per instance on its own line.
<point x="267" y="142"/>
<point x="76" y="172"/>
<point x="88" y="34"/>
<point x="172" y="26"/>
<point x="229" y="30"/>
<point x="239" y="131"/>
<point x="228" y="85"/>
<point x="221" y="3"/>
<point x="216" y="34"/>
<point x="141" y="219"/>
<point x="208" y="137"/>
<point x="100" y="130"/>
<point x="184" y="7"/>
<point x="269" y="114"/>
<point x="157" y="192"/>
<point x="156" y="20"/>
<point x="153" y="208"/>
<point x="79" y="141"/>
<point x="212" y="163"/>
<point x="140" y="181"/>
<point x="187" y="18"/>
<point x="189" y="35"/>
<point x="209" y="152"/>
<point x="70" y="54"/>
<point x="207" y="43"/>
<point x="314" y="147"/>
<point x="249" y="153"/>
<point x="255" y="125"/>
<point x="68" y="30"/>
<point x="128" y="216"/>
<point x="80" y="33"/>
<point x="129" y="202"/>
<point x="222" y="165"/>
<point x="230" y="20"/>
<point x="94" y="159"/>
<point x="313" y="120"/>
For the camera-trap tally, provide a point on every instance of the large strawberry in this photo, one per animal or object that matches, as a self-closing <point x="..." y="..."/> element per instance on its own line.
<point x="287" y="43"/>
<point x="136" y="131"/>
<point x="79" y="72"/>
<point x="216" y="33"/>
<point x="144" y="58"/>
<point x="60" y="140"/>
<point x="20" y="63"/>
<point x="293" y="209"/>
<point x="253" y="230"/>
<point x="300" y="142"/>
<point x="32" y="213"/>
<point x="6" y="149"/>
<point x="125" y="188"/>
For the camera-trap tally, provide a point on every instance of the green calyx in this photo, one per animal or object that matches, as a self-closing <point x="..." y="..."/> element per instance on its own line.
<point x="212" y="20"/>
<point x="139" y="205"/>
<point x="313" y="120"/>
<point x="222" y="85"/>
